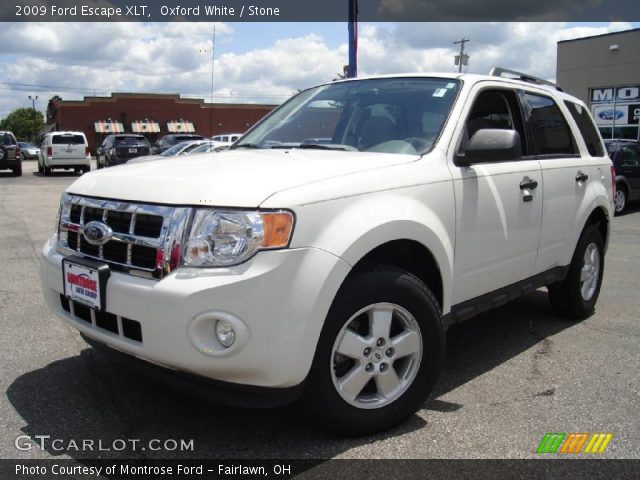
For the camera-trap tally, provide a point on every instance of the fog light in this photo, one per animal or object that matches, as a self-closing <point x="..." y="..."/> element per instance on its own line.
<point x="225" y="333"/>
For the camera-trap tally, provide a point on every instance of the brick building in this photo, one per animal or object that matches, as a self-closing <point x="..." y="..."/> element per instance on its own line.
<point x="152" y="114"/>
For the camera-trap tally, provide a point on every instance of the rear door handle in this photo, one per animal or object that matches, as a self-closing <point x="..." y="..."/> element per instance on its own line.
<point x="528" y="184"/>
<point x="581" y="177"/>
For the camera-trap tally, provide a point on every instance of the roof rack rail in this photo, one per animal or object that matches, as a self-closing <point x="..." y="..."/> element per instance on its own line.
<point x="525" y="77"/>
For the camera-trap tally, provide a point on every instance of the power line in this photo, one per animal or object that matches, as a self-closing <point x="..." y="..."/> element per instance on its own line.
<point x="23" y="87"/>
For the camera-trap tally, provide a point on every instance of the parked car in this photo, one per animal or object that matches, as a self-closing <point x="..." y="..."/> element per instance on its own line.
<point x="625" y="155"/>
<point x="66" y="150"/>
<point x="227" y="138"/>
<point x="172" y="139"/>
<point x="205" y="148"/>
<point x="120" y="148"/>
<point x="10" y="157"/>
<point x="325" y="254"/>
<point x="182" y="148"/>
<point x="28" y="151"/>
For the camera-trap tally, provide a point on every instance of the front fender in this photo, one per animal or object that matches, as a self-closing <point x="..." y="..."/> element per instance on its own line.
<point x="352" y="227"/>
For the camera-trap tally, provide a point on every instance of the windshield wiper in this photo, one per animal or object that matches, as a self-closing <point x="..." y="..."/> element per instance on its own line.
<point x="324" y="146"/>
<point x="245" y="145"/>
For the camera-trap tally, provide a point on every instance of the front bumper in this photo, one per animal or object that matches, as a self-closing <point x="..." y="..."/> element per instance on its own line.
<point x="279" y="300"/>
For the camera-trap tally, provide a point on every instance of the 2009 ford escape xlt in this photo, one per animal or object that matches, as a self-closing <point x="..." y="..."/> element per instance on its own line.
<point x="324" y="255"/>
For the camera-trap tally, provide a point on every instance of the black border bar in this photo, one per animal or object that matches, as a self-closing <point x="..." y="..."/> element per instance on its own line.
<point x="317" y="11"/>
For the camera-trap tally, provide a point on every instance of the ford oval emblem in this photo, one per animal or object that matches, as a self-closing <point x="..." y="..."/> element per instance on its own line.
<point x="97" y="233"/>
<point x="610" y="114"/>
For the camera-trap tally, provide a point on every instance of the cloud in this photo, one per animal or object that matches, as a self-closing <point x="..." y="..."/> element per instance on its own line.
<point x="176" y="57"/>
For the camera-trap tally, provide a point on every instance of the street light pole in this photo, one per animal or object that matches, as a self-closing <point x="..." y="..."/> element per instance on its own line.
<point x="33" y="108"/>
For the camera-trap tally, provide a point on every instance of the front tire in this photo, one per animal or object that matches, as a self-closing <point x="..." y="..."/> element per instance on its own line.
<point x="576" y="296"/>
<point x="379" y="353"/>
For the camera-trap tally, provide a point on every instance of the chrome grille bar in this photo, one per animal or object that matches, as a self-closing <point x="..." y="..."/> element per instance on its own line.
<point x="135" y="254"/>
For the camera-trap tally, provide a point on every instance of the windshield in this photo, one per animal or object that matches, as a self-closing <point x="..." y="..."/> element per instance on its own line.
<point x="204" y="148"/>
<point x="390" y="115"/>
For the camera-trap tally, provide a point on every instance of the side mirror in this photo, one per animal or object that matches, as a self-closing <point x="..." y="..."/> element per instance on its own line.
<point x="491" y="145"/>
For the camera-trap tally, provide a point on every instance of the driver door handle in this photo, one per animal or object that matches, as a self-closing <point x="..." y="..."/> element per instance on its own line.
<point x="528" y="184"/>
<point x="581" y="177"/>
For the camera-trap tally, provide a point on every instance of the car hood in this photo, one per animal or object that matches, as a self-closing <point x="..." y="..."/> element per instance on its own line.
<point x="237" y="178"/>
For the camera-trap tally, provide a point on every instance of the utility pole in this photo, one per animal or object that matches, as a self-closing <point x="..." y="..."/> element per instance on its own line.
<point x="462" y="59"/>
<point x="33" y="108"/>
<point x="213" y="59"/>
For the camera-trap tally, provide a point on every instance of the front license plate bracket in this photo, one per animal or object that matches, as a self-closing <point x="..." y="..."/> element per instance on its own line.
<point x="85" y="281"/>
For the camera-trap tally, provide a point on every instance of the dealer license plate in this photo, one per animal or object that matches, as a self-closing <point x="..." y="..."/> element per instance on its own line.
<point x="133" y="150"/>
<point x="82" y="284"/>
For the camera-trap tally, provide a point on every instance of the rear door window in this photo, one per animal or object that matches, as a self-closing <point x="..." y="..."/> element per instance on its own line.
<point x="548" y="127"/>
<point x="587" y="129"/>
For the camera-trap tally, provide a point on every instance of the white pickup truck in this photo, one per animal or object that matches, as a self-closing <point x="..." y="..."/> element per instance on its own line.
<point x="324" y="255"/>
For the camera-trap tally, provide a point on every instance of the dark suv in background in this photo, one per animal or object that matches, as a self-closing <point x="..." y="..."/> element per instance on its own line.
<point x="625" y="155"/>
<point x="170" y="140"/>
<point x="10" y="154"/>
<point x="118" y="149"/>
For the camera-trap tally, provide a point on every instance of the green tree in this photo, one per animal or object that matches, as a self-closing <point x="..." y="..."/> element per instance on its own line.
<point x="24" y="123"/>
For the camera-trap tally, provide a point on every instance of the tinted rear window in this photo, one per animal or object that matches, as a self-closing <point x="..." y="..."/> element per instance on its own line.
<point x="182" y="138"/>
<point x="130" y="140"/>
<point x="6" y="139"/>
<point x="67" y="140"/>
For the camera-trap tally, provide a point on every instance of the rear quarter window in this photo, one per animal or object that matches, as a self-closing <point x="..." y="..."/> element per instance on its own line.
<point x="587" y="129"/>
<point x="67" y="140"/>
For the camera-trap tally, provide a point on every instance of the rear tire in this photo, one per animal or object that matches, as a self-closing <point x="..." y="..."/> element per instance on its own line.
<point x="46" y="171"/>
<point x="379" y="353"/>
<point x="17" y="171"/>
<point x="576" y="296"/>
<point x="86" y="169"/>
<point x="620" y="202"/>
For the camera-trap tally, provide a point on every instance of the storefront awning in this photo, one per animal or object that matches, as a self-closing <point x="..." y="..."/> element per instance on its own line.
<point x="180" y="127"/>
<point x="145" y="127"/>
<point x="108" y="127"/>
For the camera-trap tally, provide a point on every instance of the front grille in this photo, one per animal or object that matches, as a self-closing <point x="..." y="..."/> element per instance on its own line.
<point x="121" y="326"/>
<point x="143" y="237"/>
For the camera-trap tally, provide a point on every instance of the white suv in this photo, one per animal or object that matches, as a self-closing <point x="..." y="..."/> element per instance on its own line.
<point x="325" y="254"/>
<point x="68" y="150"/>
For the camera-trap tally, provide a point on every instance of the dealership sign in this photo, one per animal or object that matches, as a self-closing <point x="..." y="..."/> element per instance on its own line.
<point x="615" y="94"/>
<point x="620" y="115"/>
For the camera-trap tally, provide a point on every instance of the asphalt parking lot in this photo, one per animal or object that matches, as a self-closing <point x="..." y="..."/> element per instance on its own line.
<point x="511" y="375"/>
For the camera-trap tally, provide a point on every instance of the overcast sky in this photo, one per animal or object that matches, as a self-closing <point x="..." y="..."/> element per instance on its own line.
<point x="262" y="63"/>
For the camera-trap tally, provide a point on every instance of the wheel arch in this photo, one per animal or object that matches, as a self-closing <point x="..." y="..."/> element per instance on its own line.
<point x="411" y="256"/>
<point x="598" y="215"/>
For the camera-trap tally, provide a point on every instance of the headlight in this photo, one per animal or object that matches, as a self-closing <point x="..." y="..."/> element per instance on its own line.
<point x="64" y="211"/>
<point x="224" y="238"/>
